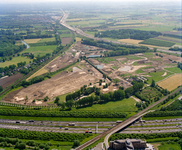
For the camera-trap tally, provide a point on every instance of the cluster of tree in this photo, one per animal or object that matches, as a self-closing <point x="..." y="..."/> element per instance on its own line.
<point x="8" y="50"/>
<point x="117" y="136"/>
<point x="36" y="36"/>
<point x="128" y="33"/>
<point x="137" y="86"/>
<point x="118" y="49"/>
<point x="76" y="114"/>
<point x="175" y="49"/>
<point x="179" y="65"/>
<point x="19" y="144"/>
<point x="45" y="136"/>
<point x="178" y="29"/>
<point x="173" y="36"/>
<point x="177" y="105"/>
<point x="7" y="43"/>
<point x="83" y="91"/>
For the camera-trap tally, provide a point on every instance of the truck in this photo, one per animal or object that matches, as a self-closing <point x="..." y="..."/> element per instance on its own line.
<point x="71" y="124"/>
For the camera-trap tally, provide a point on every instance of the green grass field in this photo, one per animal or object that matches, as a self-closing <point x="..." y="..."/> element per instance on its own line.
<point x="125" y="105"/>
<point x="40" y="50"/>
<point x="106" y="60"/>
<point x="157" y="76"/>
<point x="66" y="35"/>
<point x="166" y="146"/>
<point x="134" y="57"/>
<point x="15" y="60"/>
<point x="174" y="69"/>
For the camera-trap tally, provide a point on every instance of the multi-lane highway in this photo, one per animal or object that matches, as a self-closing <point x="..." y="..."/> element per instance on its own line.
<point x="122" y="125"/>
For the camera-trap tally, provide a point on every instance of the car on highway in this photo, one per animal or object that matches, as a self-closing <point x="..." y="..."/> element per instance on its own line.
<point x="17" y="121"/>
<point x="86" y="131"/>
<point x="31" y="120"/>
<point x="118" y="121"/>
<point x="66" y="128"/>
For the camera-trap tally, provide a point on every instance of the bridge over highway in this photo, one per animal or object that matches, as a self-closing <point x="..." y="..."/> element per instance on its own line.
<point x="122" y="125"/>
<point x="130" y="120"/>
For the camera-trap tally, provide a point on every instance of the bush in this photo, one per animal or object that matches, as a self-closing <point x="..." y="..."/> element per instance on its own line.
<point x="76" y="143"/>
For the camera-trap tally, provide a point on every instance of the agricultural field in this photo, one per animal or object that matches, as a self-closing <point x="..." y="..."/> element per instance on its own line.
<point x="41" y="50"/>
<point x="172" y="82"/>
<point x="15" y="60"/>
<point x="29" y="41"/>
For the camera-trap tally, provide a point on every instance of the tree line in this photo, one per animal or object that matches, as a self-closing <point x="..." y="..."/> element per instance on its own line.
<point x="118" y="49"/>
<point x="173" y="36"/>
<point x="128" y="33"/>
<point x="175" y="49"/>
<point x="45" y="136"/>
<point x="75" y="114"/>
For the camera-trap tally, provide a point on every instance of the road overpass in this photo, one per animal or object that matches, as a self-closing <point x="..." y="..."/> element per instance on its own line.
<point x="130" y="120"/>
<point x="122" y="125"/>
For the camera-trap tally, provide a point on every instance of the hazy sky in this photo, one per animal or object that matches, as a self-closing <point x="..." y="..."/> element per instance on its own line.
<point x="39" y="1"/>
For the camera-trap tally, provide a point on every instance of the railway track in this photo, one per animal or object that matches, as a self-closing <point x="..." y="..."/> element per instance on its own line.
<point x="122" y="125"/>
<point x="39" y="67"/>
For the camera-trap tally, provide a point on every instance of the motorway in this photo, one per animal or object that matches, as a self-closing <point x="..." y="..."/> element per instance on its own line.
<point x="122" y="125"/>
<point x="56" y="126"/>
<point x="129" y="120"/>
<point x="80" y="32"/>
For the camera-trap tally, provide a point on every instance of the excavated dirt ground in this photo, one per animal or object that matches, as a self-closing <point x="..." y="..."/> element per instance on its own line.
<point x="60" y="84"/>
<point x="61" y="62"/>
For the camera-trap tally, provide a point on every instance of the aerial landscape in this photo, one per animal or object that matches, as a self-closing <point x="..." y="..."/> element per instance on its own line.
<point x="90" y="75"/>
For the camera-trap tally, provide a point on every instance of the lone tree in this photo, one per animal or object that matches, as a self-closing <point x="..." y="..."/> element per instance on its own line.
<point x="1" y="88"/>
<point x="116" y="81"/>
<point x="153" y="83"/>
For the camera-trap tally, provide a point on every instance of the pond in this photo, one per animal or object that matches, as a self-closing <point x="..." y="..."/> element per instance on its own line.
<point x="99" y="66"/>
<point x="93" y="56"/>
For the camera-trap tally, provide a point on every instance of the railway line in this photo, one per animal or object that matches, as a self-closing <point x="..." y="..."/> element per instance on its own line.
<point x="122" y="125"/>
<point x="39" y="67"/>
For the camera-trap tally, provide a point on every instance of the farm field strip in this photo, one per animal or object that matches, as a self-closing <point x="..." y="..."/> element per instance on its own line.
<point x="171" y="82"/>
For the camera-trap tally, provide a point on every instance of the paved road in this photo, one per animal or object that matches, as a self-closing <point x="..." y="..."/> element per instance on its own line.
<point x="122" y="125"/>
<point x="78" y="31"/>
<point x="152" y="131"/>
